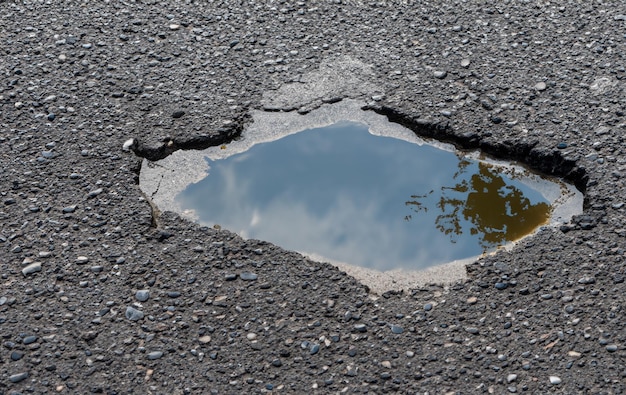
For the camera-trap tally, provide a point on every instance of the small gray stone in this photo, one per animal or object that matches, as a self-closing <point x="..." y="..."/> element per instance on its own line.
<point x="440" y="74"/>
<point x="360" y="328"/>
<point x="314" y="349"/>
<point x="331" y="99"/>
<point x="32" y="268"/>
<point x="555" y="380"/>
<point x="465" y="63"/>
<point x="142" y="295"/>
<point x="247" y="276"/>
<point x="81" y="260"/>
<point x="16" y="355"/>
<point x="511" y="377"/>
<point x="94" y="193"/>
<point x="540" y="86"/>
<point x="29" y="339"/>
<point x="396" y="329"/>
<point x="611" y="347"/>
<point x="471" y="329"/>
<point x="16" y="378"/>
<point x="128" y="144"/>
<point x="155" y="355"/>
<point x="133" y="314"/>
<point x="3" y="300"/>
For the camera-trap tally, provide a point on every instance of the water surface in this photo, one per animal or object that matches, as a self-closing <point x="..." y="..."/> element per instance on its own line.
<point x="372" y="201"/>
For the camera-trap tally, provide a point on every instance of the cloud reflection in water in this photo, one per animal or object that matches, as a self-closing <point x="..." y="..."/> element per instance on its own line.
<point x="347" y="195"/>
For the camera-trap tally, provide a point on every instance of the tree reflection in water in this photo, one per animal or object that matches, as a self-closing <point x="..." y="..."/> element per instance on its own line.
<point x="492" y="210"/>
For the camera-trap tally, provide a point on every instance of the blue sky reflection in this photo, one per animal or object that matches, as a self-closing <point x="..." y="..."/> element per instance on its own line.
<point x="342" y="193"/>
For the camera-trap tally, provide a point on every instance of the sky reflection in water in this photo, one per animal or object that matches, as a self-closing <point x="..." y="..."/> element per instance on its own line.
<point x="372" y="201"/>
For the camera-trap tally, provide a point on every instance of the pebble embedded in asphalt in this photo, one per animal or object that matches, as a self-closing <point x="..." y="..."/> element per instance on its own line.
<point x="94" y="193"/>
<point x="247" y="276"/>
<point x="133" y="314"/>
<point x="397" y="329"/>
<point x="32" y="268"/>
<point x="471" y="329"/>
<point x="81" y="260"/>
<point x="16" y="378"/>
<point x="555" y="380"/>
<point x="360" y="328"/>
<point x="142" y="295"/>
<point x="155" y="355"/>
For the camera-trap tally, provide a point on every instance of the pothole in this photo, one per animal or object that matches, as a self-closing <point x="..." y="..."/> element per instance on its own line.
<point x="346" y="186"/>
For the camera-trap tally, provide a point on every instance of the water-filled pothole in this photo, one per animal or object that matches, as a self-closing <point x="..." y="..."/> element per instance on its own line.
<point x="378" y="202"/>
<point x="365" y="193"/>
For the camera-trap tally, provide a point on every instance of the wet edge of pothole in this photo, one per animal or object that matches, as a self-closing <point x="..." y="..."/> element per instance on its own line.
<point x="540" y="159"/>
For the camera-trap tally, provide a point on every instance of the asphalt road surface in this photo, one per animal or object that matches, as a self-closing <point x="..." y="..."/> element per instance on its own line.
<point x="101" y="293"/>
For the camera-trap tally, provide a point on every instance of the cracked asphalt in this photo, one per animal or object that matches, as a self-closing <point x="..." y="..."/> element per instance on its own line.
<point x="102" y="293"/>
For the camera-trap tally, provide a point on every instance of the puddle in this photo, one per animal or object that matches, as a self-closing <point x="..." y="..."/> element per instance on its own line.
<point x="360" y="192"/>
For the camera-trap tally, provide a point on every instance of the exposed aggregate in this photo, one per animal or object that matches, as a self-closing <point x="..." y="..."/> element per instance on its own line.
<point x="101" y="294"/>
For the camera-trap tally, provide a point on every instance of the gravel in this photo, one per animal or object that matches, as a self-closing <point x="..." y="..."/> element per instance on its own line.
<point x="133" y="314"/>
<point x="537" y="82"/>
<point x="142" y="295"/>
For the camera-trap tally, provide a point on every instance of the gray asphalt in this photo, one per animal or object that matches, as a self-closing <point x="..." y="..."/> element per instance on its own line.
<point x="102" y="293"/>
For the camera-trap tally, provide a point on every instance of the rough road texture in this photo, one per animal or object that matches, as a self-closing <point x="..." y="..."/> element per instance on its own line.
<point x="100" y="295"/>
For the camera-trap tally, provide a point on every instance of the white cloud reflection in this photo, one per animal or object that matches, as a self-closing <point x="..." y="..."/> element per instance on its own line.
<point x="348" y="230"/>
